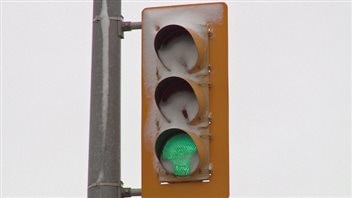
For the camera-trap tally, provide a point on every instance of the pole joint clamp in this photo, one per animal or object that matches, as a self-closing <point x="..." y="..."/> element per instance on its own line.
<point x="122" y="26"/>
<point x="113" y="184"/>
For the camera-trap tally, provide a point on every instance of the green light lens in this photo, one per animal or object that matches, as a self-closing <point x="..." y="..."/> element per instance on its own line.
<point x="180" y="155"/>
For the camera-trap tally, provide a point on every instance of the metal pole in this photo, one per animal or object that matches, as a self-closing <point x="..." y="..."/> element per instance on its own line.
<point x="104" y="170"/>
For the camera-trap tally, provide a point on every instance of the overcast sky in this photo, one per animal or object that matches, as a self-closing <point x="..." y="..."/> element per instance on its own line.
<point x="290" y="92"/>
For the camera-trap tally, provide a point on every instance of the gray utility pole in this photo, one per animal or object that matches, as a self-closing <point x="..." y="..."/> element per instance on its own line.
<point x="104" y="174"/>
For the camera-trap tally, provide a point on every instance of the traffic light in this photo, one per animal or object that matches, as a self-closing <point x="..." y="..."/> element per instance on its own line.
<point x="185" y="101"/>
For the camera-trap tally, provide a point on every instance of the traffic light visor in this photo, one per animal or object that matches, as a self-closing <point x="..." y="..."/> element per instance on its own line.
<point x="179" y="48"/>
<point x="177" y="152"/>
<point x="179" y="99"/>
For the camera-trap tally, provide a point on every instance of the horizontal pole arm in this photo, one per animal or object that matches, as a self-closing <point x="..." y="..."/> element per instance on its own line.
<point x="128" y="26"/>
<point x="131" y="192"/>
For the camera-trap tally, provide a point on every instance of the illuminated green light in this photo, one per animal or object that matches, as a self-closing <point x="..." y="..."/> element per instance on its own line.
<point x="180" y="155"/>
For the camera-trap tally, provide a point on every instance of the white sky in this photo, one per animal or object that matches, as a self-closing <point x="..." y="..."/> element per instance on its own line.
<point x="290" y="91"/>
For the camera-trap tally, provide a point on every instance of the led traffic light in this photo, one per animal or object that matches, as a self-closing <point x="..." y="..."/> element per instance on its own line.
<point x="185" y="101"/>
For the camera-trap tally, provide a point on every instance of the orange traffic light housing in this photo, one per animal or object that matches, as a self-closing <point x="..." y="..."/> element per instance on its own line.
<point x="185" y="101"/>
